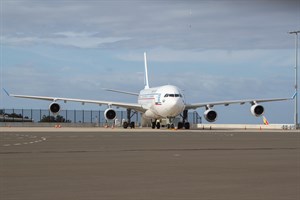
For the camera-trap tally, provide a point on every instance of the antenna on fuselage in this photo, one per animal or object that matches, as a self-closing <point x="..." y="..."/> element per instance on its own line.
<point x="146" y="72"/>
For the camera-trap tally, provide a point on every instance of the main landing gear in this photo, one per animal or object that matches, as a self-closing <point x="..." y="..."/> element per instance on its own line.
<point x="170" y="125"/>
<point x="128" y="123"/>
<point x="182" y="124"/>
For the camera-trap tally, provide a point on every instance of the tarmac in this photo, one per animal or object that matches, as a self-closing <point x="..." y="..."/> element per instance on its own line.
<point x="98" y="163"/>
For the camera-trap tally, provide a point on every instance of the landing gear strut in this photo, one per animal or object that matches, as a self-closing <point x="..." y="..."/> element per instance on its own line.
<point x="128" y="122"/>
<point x="184" y="124"/>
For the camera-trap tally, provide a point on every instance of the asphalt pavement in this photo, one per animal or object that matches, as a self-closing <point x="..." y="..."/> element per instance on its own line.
<point x="39" y="165"/>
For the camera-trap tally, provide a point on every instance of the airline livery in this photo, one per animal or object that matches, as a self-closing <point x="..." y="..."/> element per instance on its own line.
<point x="157" y="103"/>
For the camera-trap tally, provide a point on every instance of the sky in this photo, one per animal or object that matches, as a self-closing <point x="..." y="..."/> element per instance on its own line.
<point x="213" y="50"/>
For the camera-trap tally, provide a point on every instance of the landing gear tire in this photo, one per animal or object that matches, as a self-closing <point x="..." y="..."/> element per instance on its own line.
<point x="125" y="125"/>
<point x="180" y="125"/>
<point x="158" y="125"/>
<point x="132" y="125"/>
<point x="153" y="125"/>
<point x="187" y="125"/>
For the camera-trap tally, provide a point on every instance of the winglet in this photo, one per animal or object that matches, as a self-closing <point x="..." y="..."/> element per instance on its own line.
<point x="6" y="92"/>
<point x="293" y="97"/>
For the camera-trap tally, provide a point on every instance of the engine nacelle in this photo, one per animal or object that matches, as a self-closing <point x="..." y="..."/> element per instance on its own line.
<point x="257" y="110"/>
<point x="210" y="115"/>
<point x="54" y="108"/>
<point x="110" y="114"/>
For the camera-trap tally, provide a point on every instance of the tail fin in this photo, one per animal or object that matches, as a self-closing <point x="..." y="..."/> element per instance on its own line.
<point x="146" y="72"/>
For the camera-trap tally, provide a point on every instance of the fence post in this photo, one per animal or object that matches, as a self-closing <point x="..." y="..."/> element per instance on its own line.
<point x="82" y="116"/>
<point x="99" y="118"/>
<point x="66" y="115"/>
<point x="91" y="116"/>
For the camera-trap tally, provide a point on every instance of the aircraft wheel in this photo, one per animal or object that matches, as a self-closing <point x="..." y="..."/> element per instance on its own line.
<point x="158" y="125"/>
<point x="153" y="125"/>
<point x="187" y="125"/>
<point x="180" y="125"/>
<point x="132" y="125"/>
<point x="125" y="124"/>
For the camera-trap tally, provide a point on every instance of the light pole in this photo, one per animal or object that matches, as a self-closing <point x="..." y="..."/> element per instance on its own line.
<point x="296" y="78"/>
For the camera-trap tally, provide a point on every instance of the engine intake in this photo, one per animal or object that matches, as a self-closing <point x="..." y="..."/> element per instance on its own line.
<point x="54" y="108"/>
<point x="257" y="110"/>
<point x="110" y="114"/>
<point x="210" y="115"/>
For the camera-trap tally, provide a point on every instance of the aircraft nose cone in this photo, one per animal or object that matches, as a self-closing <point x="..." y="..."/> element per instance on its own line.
<point x="177" y="106"/>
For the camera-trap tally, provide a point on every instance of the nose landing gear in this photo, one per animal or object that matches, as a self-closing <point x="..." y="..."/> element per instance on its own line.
<point x="156" y="124"/>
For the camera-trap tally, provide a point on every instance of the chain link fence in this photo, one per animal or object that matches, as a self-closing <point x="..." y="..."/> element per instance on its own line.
<point x="72" y="117"/>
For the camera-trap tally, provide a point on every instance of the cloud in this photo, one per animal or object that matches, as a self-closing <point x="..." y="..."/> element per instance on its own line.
<point x="149" y="24"/>
<point x="72" y="39"/>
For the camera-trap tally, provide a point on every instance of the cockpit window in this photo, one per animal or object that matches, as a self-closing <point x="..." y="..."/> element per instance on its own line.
<point x="173" y="95"/>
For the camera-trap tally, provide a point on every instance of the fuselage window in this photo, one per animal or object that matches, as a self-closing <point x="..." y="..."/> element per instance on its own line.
<point x="166" y="95"/>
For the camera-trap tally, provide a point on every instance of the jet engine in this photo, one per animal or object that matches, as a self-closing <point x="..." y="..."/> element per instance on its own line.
<point x="257" y="110"/>
<point x="54" y="108"/>
<point x="110" y="114"/>
<point x="210" y="115"/>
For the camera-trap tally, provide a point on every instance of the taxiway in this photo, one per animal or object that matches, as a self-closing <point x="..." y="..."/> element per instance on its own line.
<point x="40" y="164"/>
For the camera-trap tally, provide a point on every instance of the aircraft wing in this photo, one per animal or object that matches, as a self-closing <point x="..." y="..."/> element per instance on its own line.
<point x="227" y="103"/>
<point x="133" y="106"/>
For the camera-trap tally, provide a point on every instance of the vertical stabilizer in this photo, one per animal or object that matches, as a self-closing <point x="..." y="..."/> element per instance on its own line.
<point x="146" y="72"/>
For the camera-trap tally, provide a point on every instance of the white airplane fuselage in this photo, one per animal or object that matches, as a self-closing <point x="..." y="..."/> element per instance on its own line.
<point x="162" y="102"/>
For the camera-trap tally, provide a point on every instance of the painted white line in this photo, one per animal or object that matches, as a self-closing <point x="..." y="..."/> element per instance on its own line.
<point x="24" y="138"/>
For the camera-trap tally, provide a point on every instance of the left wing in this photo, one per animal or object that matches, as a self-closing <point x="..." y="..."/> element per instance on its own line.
<point x="120" y="91"/>
<point x="133" y="106"/>
<point x="227" y="103"/>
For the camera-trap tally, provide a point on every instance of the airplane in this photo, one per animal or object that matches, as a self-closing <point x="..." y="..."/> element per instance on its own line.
<point x="157" y="103"/>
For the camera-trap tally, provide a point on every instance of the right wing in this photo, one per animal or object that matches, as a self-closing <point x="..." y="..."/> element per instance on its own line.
<point x="133" y="106"/>
<point x="226" y="103"/>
